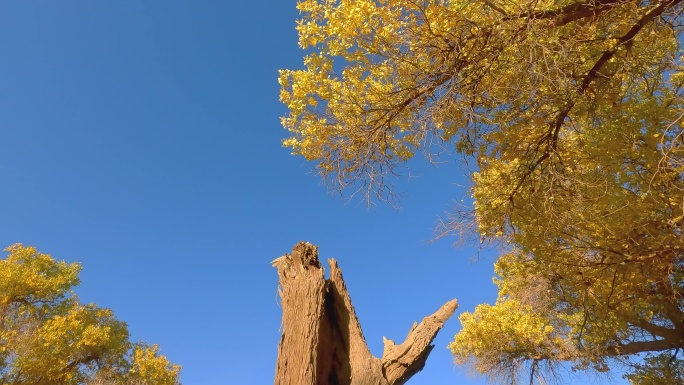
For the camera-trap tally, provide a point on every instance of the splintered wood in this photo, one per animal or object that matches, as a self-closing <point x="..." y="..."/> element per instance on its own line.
<point x="322" y="341"/>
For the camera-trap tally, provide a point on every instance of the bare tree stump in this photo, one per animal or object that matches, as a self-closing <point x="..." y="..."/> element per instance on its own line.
<point x="322" y="341"/>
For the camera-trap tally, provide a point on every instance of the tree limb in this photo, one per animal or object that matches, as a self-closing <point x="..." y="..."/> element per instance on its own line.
<point x="322" y="341"/>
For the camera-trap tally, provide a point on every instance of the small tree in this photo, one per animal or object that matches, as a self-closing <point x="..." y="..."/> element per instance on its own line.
<point x="47" y="337"/>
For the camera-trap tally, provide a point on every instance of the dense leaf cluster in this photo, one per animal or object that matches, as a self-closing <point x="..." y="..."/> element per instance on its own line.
<point x="47" y="337"/>
<point x="572" y="114"/>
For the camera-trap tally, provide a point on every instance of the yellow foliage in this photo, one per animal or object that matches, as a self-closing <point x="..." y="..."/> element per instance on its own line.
<point x="572" y="112"/>
<point x="48" y="337"/>
<point x="30" y="275"/>
<point x="152" y="368"/>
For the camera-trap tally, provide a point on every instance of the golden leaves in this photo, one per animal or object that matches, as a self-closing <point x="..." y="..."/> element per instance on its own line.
<point x="152" y="368"/>
<point x="47" y="335"/>
<point x="572" y="112"/>
<point x="509" y="327"/>
<point x="29" y="275"/>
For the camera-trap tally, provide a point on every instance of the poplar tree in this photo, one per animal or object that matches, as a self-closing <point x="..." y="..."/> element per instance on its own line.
<point x="570" y="113"/>
<point x="47" y="337"/>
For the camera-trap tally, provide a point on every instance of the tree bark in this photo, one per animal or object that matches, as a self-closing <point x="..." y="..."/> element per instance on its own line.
<point x="322" y="342"/>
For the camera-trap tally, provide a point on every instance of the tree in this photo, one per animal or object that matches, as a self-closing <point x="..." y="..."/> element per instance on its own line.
<point x="48" y="337"/>
<point x="571" y="114"/>
<point x="322" y="341"/>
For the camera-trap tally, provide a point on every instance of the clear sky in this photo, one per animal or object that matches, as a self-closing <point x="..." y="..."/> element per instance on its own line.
<point x="141" y="138"/>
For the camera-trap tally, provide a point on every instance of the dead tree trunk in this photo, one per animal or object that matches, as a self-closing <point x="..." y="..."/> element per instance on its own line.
<point x="322" y="342"/>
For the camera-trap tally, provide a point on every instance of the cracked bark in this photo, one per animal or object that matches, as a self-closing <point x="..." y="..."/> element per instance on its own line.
<point x="322" y="341"/>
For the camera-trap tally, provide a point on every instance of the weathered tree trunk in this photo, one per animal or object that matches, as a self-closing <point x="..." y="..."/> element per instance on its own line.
<point x="322" y="342"/>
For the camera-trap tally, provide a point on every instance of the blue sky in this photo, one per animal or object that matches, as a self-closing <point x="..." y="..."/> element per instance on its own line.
<point x="141" y="138"/>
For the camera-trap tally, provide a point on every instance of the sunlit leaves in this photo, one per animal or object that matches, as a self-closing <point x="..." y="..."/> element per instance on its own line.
<point x="151" y="368"/>
<point x="34" y="277"/>
<point x="571" y="112"/>
<point x="499" y="339"/>
<point x="48" y="337"/>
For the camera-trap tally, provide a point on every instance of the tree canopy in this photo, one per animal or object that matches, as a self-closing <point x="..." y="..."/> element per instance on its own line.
<point x="47" y="337"/>
<point x="571" y="113"/>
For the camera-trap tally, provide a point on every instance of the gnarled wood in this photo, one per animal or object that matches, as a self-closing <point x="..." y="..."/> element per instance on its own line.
<point x="322" y="341"/>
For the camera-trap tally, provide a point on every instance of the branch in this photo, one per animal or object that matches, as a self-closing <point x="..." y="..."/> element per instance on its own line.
<point x="400" y="362"/>
<point x="593" y="74"/>
<point x="653" y="329"/>
<point x="644" y="346"/>
<point x="574" y="11"/>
